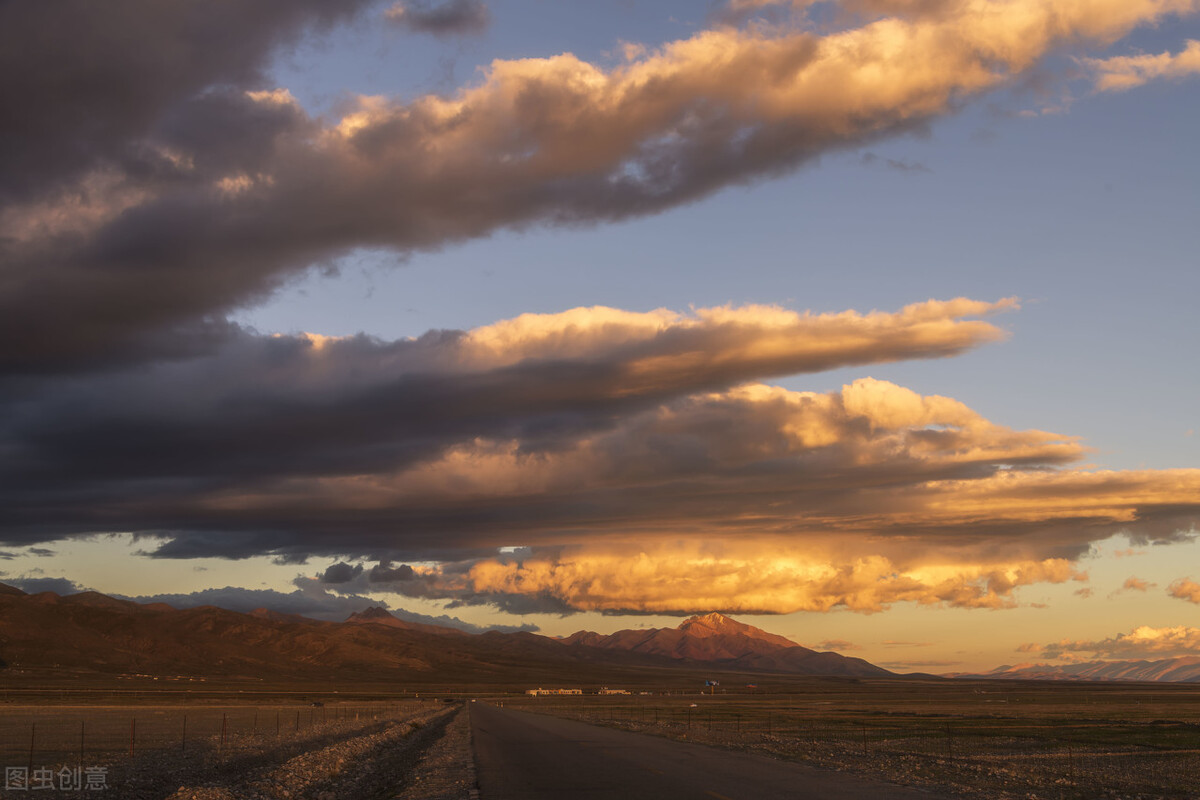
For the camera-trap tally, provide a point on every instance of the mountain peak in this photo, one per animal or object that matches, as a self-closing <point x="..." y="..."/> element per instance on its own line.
<point x="374" y="612"/>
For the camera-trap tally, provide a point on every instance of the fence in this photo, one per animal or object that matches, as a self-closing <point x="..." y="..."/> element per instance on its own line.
<point x="38" y="737"/>
<point x="1078" y="758"/>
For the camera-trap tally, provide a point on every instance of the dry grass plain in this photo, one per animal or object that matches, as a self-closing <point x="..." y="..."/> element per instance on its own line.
<point x="974" y="739"/>
<point x="147" y="746"/>
<point x="977" y="739"/>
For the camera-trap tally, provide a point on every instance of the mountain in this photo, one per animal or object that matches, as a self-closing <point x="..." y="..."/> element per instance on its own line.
<point x="90" y="634"/>
<point x="715" y="638"/>
<point x="93" y="635"/>
<point x="1183" y="669"/>
<point x="378" y="615"/>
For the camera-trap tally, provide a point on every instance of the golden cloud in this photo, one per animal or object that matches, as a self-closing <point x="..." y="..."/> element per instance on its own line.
<point x="1142" y="642"/>
<point x="1185" y="589"/>
<point x="1121" y="73"/>
<point x="683" y="577"/>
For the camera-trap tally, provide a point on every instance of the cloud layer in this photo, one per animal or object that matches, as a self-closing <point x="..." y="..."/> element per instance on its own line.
<point x="1142" y="642"/>
<point x="634" y="457"/>
<point x="159" y="179"/>
<point x="187" y="185"/>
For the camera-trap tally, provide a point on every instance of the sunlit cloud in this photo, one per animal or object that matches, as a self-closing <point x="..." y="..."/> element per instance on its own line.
<point x="219" y="187"/>
<point x="1143" y="642"/>
<point x="683" y="580"/>
<point x="592" y="460"/>
<point x="1185" y="589"/>
<point x="1120" y="73"/>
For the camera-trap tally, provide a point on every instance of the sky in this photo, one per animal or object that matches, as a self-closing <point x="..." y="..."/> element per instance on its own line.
<point x="868" y="322"/>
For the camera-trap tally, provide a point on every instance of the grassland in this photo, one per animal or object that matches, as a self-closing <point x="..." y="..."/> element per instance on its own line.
<point x="974" y="739"/>
<point x="985" y="739"/>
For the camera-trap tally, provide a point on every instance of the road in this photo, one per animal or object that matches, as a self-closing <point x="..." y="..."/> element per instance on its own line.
<point x="522" y="756"/>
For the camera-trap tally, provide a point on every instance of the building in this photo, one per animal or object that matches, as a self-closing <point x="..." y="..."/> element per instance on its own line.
<point x="540" y="691"/>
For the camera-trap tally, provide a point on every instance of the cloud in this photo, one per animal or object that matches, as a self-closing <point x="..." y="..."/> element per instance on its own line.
<point x="1137" y="585"/>
<point x="607" y="444"/>
<point x="199" y="447"/>
<point x="311" y="599"/>
<point x="899" y="165"/>
<point x="1132" y="584"/>
<point x="917" y="664"/>
<point x="681" y="578"/>
<point x="837" y="645"/>
<point x="384" y="572"/>
<point x="92" y="83"/>
<point x="1143" y="642"/>
<point x="236" y="187"/>
<point x="1185" y="589"/>
<point x="61" y="586"/>
<point x="1121" y="73"/>
<point x="446" y="18"/>
<point x="341" y="573"/>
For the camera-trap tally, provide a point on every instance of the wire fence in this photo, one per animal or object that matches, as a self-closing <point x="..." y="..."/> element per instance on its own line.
<point x="1073" y="758"/>
<point x="56" y="747"/>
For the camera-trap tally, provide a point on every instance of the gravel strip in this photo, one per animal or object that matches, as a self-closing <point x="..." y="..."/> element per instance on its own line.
<point x="362" y="767"/>
<point x="447" y="770"/>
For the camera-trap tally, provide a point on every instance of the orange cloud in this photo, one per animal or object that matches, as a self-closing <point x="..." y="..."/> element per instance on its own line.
<point x="1143" y="641"/>
<point x="1121" y="73"/>
<point x="1185" y="589"/>
<point x="739" y="578"/>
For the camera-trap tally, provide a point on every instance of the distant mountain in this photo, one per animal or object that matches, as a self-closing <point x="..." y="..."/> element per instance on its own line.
<point x="1185" y="669"/>
<point x="92" y="634"/>
<point x="716" y="638"/>
<point x="378" y="615"/>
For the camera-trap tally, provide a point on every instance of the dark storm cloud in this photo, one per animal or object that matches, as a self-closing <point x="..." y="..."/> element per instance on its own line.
<point x="83" y="84"/>
<point x="444" y="18"/>
<point x="384" y="572"/>
<point x="341" y="572"/>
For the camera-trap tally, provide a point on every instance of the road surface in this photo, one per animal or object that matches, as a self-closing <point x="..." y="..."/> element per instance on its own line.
<point x="522" y="756"/>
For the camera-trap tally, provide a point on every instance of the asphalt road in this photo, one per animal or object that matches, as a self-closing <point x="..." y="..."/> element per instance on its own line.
<point x="521" y="756"/>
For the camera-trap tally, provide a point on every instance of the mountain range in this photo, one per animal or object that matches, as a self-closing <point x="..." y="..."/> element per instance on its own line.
<point x="91" y="633"/>
<point x="1184" y="669"/>
<point x="716" y="638"/>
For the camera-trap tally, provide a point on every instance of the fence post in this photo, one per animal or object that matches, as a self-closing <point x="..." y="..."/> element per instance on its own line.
<point x="276" y="724"/>
<point x="82" y="727"/>
<point x="32" y="733"/>
<point x="132" y="737"/>
<point x="183" y="736"/>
